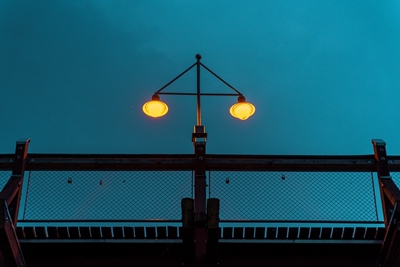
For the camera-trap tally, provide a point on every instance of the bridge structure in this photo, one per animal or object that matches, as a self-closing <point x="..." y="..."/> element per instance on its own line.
<point x="139" y="210"/>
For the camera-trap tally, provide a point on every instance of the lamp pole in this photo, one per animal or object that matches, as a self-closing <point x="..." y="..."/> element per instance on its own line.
<point x="198" y="57"/>
<point x="241" y="110"/>
<point x="199" y="142"/>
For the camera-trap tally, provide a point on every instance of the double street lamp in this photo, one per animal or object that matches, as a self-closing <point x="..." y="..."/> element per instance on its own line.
<point x="241" y="110"/>
<point x="205" y="225"/>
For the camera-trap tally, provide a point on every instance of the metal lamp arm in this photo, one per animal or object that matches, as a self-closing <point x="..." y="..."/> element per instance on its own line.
<point x="194" y="94"/>
<point x="176" y="78"/>
<point x="206" y="94"/>
<point x="230" y="86"/>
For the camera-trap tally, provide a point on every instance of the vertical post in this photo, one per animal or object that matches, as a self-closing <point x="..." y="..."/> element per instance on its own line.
<point x="383" y="178"/>
<point x="390" y="195"/>
<point x="10" y="250"/>
<point x="21" y="153"/>
<point x="187" y="233"/>
<point x="199" y="139"/>
<point x="212" y="231"/>
<point x="198" y="57"/>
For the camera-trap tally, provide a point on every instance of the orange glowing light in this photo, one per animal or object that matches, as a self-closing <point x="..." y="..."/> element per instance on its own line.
<point x="155" y="107"/>
<point x="242" y="110"/>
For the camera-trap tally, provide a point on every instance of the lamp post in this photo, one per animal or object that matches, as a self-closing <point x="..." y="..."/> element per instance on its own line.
<point x="241" y="110"/>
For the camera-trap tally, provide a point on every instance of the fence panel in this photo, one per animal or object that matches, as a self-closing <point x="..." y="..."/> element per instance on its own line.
<point x="4" y="177"/>
<point x="396" y="178"/>
<point x="106" y="195"/>
<point x="295" y="196"/>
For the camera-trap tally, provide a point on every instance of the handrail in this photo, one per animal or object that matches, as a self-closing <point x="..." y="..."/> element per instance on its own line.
<point x="155" y="162"/>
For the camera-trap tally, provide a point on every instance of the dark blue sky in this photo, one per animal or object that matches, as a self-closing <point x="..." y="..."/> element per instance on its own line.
<point x="323" y="75"/>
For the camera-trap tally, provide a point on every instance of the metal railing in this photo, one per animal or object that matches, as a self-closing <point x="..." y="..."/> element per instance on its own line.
<point x="156" y="195"/>
<point x="302" y="191"/>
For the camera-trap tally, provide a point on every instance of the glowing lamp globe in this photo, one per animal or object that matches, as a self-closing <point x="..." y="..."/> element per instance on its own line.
<point x="242" y="110"/>
<point x="155" y="107"/>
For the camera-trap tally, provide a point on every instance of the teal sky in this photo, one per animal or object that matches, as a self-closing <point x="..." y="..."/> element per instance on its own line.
<point x="324" y="75"/>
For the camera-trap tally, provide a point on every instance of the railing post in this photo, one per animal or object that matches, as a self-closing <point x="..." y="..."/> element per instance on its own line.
<point x="212" y="231"/>
<point x="187" y="233"/>
<point x="199" y="139"/>
<point x="390" y="196"/>
<point x="21" y="153"/>
<point x="10" y="250"/>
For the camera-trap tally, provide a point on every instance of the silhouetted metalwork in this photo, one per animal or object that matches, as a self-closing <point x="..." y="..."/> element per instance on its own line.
<point x="390" y="195"/>
<point x="10" y="250"/>
<point x="131" y="198"/>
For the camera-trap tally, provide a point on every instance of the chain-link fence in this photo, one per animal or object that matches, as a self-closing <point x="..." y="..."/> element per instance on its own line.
<point x="4" y="177"/>
<point x="396" y="178"/>
<point x="244" y="195"/>
<point x="292" y="196"/>
<point x="106" y="195"/>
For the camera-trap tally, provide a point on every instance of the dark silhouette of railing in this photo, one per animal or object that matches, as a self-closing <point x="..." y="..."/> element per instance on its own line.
<point x="137" y="198"/>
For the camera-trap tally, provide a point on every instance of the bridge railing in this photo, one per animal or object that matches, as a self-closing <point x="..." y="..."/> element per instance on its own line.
<point x="270" y="197"/>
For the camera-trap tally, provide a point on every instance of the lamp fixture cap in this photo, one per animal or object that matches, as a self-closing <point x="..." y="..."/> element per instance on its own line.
<point x="241" y="98"/>
<point x="155" y="97"/>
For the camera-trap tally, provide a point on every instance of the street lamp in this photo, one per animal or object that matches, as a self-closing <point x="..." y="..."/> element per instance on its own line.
<point x="241" y="110"/>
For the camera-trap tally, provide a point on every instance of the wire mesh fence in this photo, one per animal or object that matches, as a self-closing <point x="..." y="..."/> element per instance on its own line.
<point x="292" y="196"/>
<point x="4" y="177"/>
<point x="106" y="195"/>
<point x="396" y="178"/>
<point x="244" y="195"/>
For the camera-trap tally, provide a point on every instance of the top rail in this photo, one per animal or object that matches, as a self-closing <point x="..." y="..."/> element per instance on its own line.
<point x="160" y="162"/>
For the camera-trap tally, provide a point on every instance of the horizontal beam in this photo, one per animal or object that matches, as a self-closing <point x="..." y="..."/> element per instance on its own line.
<point x="230" y="222"/>
<point x="105" y="162"/>
<point x="187" y="162"/>
<point x="195" y="94"/>
<point x="240" y="241"/>
<point x="291" y="163"/>
<point x="231" y="254"/>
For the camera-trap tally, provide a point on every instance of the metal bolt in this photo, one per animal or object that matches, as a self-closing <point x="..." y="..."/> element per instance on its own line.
<point x="381" y="149"/>
<point x="32" y="160"/>
<point x="18" y="157"/>
<point x="369" y="162"/>
<point x="200" y="158"/>
<point x="11" y="161"/>
<point x="390" y="162"/>
<point x="383" y="158"/>
<point x="200" y="149"/>
<point x="20" y="148"/>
